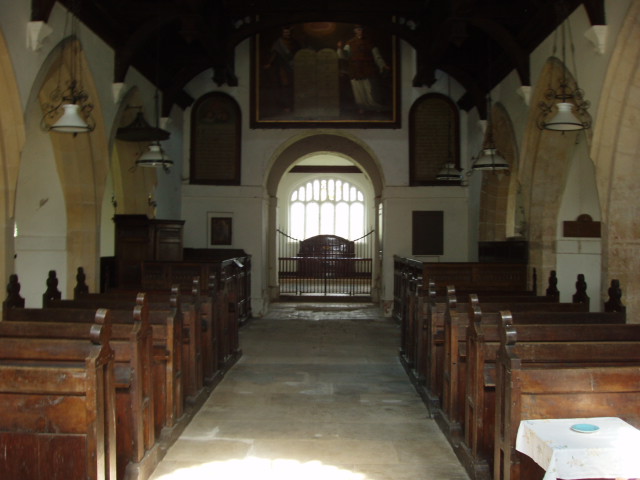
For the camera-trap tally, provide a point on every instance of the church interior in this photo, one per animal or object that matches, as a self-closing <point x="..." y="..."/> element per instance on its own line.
<point x="330" y="152"/>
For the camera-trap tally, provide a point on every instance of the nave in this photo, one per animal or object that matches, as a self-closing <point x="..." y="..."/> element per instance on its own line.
<point x="319" y="392"/>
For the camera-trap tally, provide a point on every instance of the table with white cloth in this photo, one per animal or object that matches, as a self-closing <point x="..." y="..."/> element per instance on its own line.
<point x="613" y="451"/>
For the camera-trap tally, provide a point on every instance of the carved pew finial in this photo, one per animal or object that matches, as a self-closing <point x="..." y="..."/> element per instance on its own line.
<point x="100" y="332"/>
<point x="508" y="334"/>
<point x="581" y="291"/>
<point x="473" y="299"/>
<point x="614" y="304"/>
<point x="13" y="300"/>
<point x="552" y="289"/>
<point x="432" y="290"/>
<point x="452" y="299"/>
<point x="475" y="314"/>
<point x="81" y="287"/>
<point x="140" y="310"/>
<point x="52" y="292"/>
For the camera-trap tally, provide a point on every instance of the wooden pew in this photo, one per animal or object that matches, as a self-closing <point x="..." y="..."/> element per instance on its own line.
<point x="200" y="330"/>
<point x="443" y="369"/>
<point x="422" y="339"/>
<point x="131" y="341"/>
<point x="167" y="331"/>
<point x="561" y="379"/>
<point x="57" y="399"/>
<point x="481" y="345"/>
<point x="202" y="299"/>
<point x="191" y="384"/>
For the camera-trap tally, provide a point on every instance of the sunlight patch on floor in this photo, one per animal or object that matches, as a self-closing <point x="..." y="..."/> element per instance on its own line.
<point x="263" y="469"/>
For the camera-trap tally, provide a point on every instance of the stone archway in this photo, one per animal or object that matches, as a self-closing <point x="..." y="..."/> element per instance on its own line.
<point x="615" y="151"/>
<point x="12" y="138"/>
<point x="82" y="165"/>
<point x="497" y="196"/>
<point x="544" y="168"/>
<point x="302" y="146"/>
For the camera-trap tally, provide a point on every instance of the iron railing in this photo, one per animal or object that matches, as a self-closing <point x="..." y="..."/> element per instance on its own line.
<point x="327" y="275"/>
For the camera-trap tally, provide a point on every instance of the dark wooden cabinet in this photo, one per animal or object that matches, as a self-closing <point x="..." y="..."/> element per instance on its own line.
<point x="139" y="238"/>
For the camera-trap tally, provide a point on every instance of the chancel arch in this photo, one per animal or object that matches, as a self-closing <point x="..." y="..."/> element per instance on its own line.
<point x="302" y="147"/>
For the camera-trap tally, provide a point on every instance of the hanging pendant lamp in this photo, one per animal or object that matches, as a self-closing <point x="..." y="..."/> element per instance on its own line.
<point x="155" y="156"/>
<point x="489" y="158"/>
<point x="564" y="108"/>
<point x="68" y="109"/>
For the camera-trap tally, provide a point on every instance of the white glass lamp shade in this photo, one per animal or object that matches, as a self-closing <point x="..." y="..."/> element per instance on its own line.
<point x="490" y="160"/>
<point x="71" y="121"/>
<point x="449" y="173"/>
<point x="154" y="157"/>
<point x="564" y="120"/>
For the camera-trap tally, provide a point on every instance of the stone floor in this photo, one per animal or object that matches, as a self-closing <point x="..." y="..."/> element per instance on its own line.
<point x="319" y="393"/>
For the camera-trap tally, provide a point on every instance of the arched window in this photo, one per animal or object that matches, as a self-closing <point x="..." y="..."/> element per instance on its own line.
<point x="434" y="138"/>
<point x="327" y="206"/>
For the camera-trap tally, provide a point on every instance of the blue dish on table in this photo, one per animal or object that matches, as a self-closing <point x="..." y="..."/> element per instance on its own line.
<point x="585" y="428"/>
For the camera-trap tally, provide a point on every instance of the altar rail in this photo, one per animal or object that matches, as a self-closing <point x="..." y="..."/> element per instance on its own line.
<point x="325" y="265"/>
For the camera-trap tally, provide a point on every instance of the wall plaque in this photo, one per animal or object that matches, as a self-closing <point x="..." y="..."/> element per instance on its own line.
<point x="215" y="140"/>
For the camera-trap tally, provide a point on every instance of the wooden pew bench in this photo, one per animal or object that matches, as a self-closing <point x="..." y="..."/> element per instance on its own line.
<point x="443" y="367"/>
<point x="160" y="310"/>
<point x="421" y="287"/>
<point x="192" y="367"/>
<point x="555" y="379"/>
<point x="131" y="341"/>
<point x="57" y="398"/>
<point x="167" y="331"/>
<point x="203" y="307"/>
<point x="422" y="351"/>
<point x="481" y="345"/>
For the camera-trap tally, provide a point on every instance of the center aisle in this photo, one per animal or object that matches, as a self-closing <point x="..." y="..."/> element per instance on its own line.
<point x="319" y="393"/>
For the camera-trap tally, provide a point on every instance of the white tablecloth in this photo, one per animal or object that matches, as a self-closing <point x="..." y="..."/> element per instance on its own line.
<point x="611" y="452"/>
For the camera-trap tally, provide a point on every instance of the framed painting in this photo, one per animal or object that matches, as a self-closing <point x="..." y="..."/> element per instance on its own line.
<point x="220" y="229"/>
<point x="325" y="74"/>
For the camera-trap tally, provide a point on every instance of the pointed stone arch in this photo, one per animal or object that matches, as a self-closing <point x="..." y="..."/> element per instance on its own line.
<point x="544" y="167"/>
<point x="12" y="138"/>
<point x="615" y="151"/>
<point x="82" y="164"/>
<point x="498" y="191"/>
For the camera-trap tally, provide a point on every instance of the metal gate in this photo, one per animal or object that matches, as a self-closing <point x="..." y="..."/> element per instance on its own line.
<point x="327" y="270"/>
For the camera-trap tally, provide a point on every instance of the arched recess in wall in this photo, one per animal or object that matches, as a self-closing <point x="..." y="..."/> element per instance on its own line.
<point x="615" y="151"/>
<point x="12" y="138"/>
<point x="499" y="200"/>
<point x="544" y="168"/>
<point x="82" y="163"/>
<point x="434" y="138"/>
<point x="133" y="186"/>
<point x="303" y="146"/>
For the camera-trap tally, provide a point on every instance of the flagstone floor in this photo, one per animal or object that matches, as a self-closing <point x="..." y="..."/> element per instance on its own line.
<point x="319" y="393"/>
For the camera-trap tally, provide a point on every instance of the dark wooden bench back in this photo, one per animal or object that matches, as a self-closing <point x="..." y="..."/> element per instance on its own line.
<point x="70" y="383"/>
<point x="560" y="380"/>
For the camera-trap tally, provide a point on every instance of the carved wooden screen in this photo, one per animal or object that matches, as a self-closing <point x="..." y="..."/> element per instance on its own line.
<point x="433" y="138"/>
<point x="215" y="140"/>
